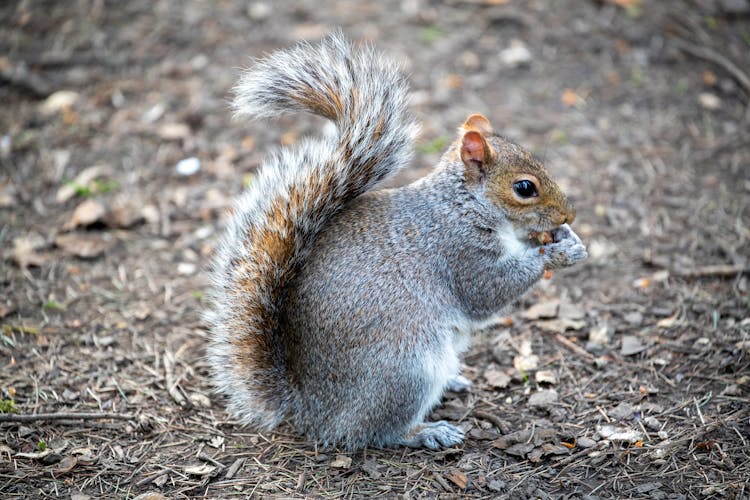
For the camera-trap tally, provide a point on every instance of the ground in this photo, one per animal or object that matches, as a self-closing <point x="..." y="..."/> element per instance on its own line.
<point x="626" y="376"/>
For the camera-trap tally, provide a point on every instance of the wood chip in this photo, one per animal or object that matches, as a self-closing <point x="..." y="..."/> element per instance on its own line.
<point x="342" y="462"/>
<point x="458" y="478"/>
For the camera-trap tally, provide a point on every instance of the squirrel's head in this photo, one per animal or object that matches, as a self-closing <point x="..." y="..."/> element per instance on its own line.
<point x="513" y="179"/>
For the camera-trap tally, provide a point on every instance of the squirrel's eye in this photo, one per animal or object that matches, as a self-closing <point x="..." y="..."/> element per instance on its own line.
<point x="525" y="189"/>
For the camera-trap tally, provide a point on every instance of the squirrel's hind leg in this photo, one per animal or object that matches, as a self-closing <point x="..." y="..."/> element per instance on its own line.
<point x="433" y="435"/>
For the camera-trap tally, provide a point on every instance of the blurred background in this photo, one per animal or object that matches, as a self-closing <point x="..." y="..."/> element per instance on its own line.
<point x="119" y="158"/>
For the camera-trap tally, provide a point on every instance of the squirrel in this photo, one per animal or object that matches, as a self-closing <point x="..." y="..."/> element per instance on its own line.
<point x="343" y="310"/>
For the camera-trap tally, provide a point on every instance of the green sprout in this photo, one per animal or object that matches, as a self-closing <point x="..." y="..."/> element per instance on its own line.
<point x="430" y="34"/>
<point x="7" y="406"/>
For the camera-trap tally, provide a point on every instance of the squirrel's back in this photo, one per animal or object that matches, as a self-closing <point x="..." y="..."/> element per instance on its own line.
<point x="293" y="197"/>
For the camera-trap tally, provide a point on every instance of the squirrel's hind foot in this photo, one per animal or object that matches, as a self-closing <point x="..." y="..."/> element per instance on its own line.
<point x="459" y="383"/>
<point x="434" y="435"/>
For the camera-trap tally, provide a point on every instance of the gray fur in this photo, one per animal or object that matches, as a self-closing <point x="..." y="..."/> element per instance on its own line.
<point x="385" y="286"/>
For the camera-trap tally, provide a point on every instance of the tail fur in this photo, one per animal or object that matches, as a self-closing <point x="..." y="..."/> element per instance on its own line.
<point x="293" y="197"/>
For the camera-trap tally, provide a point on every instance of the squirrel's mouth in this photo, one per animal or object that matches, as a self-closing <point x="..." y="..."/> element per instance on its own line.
<point x="541" y="238"/>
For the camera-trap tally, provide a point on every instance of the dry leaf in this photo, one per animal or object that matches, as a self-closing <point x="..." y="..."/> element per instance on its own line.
<point x="570" y="98"/>
<point x="173" y="131"/>
<point x="668" y="322"/>
<point x="571" y="311"/>
<point x="200" y="470"/>
<point x="87" y="213"/>
<point x="497" y="378"/>
<point x="124" y="212"/>
<point x="65" y="465"/>
<point x="84" y="246"/>
<point x="24" y="251"/>
<point x="458" y="478"/>
<point x="342" y="462"/>
<point x="525" y="361"/>
<point x="631" y="345"/>
<point x="560" y="325"/>
<point x="59" y="101"/>
<point x="542" y="310"/>
<point x="614" y="433"/>
<point x="545" y="377"/>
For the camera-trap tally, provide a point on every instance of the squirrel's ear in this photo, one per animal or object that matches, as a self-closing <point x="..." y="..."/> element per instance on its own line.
<point x="475" y="153"/>
<point x="478" y="122"/>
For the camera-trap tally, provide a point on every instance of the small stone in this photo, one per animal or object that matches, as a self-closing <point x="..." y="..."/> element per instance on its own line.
<point x="188" y="166"/>
<point x="621" y="411"/>
<point x="70" y="395"/>
<point x="496" y="485"/>
<point x="543" y="398"/>
<point x="585" y="442"/>
<point x="186" y="268"/>
<point x="259" y="11"/>
<point x="709" y="101"/>
<point x="634" y="318"/>
<point x="516" y="54"/>
<point x="652" y="423"/>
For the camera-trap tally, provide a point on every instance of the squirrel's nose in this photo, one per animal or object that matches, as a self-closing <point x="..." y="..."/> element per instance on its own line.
<point x="566" y="217"/>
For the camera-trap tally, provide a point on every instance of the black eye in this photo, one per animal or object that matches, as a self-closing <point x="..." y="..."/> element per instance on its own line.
<point x="525" y="188"/>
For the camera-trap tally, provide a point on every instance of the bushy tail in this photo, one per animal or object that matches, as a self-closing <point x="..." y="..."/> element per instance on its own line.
<point x="295" y="194"/>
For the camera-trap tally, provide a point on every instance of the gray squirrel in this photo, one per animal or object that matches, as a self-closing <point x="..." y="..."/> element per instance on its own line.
<point x="343" y="310"/>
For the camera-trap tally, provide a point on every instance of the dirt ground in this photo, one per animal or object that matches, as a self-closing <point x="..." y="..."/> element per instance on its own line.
<point x="627" y="376"/>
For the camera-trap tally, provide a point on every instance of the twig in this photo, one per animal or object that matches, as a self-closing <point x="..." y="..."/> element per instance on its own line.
<point x="573" y="347"/>
<point x="711" y="55"/>
<point x="64" y="416"/>
<point x="206" y="458"/>
<point x="150" y="479"/>
<point x="493" y="419"/>
<point x="170" y="380"/>
<point x="234" y="468"/>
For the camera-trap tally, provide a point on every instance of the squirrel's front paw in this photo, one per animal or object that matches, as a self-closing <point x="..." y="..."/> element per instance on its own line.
<point x="566" y="250"/>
